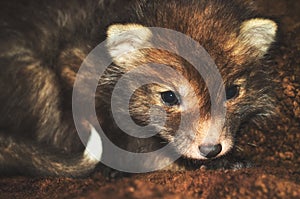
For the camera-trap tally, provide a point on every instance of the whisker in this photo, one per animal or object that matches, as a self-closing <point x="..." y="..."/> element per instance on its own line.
<point x="252" y="144"/>
<point x="239" y="148"/>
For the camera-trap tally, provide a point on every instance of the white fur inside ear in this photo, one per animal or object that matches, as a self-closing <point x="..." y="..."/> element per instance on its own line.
<point x="258" y="33"/>
<point x="122" y="39"/>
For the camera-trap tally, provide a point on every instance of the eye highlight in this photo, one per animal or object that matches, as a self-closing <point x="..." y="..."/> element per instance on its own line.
<point x="169" y="98"/>
<point x="232" y="92"/>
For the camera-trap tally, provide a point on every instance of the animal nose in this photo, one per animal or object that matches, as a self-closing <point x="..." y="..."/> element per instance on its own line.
<point x="210" y="151"/>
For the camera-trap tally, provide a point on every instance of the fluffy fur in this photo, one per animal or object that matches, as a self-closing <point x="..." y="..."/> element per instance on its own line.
<point x="43" y="44"/>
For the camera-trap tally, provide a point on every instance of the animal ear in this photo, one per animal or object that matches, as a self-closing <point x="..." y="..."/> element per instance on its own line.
<point x="258" y="33"/>
<point x="122" y="39"/>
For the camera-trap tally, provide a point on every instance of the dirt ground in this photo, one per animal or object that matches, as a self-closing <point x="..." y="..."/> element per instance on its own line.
<point x="275" y="151"/>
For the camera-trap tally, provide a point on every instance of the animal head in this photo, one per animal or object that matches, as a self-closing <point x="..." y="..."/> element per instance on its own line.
<point x="236" y="45"/>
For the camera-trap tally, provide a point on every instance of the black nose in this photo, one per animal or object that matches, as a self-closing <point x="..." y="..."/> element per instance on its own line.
<point x="210" y="151"/>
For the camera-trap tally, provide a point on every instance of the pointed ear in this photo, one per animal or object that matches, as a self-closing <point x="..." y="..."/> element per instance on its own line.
<point x="258" y="33"/>
<point x="122" y="39"/>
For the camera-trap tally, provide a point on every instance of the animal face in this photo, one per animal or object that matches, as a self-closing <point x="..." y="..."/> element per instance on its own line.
<point x="181" y="92"/>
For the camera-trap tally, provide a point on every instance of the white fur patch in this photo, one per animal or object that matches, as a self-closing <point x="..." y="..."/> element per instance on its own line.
<point x="122" y="39"/>
<point x="259" y="33"/>
<point x="94" y="148"/>
<point x="188" y="97"/>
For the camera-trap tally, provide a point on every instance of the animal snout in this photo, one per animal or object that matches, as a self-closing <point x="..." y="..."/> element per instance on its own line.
<point x="210" y="150"/>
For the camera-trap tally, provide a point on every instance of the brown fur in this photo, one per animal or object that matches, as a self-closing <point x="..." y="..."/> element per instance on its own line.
<point x="43" y="45"/>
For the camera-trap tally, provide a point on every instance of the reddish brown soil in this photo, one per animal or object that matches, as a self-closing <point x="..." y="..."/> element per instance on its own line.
<point x="274" y="150"/>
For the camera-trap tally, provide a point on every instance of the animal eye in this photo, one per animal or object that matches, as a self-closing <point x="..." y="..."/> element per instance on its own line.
<point x="232" y="92"/>
<point x="170" y="98"/>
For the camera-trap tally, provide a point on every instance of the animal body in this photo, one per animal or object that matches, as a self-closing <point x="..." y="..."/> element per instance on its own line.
<point x="43" y="44"/>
